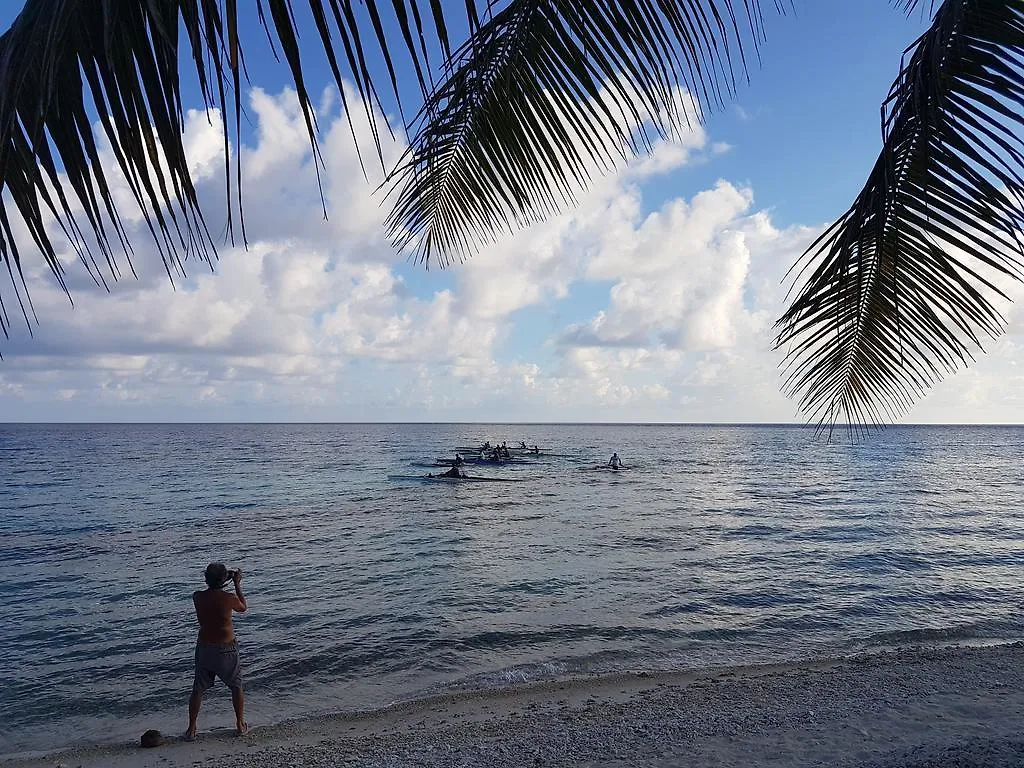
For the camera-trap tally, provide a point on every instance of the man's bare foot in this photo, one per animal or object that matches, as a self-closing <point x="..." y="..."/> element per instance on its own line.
<point x="190" y="735"/>
<point x="241" y="729"/>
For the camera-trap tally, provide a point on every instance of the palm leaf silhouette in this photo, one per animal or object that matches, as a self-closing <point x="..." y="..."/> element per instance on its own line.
<point x="900" y="289"/>
<point x="547" y="93"/>
<point x="127" y="55"/>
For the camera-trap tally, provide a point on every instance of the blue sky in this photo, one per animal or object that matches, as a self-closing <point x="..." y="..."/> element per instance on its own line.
<point x="651" y="302"/>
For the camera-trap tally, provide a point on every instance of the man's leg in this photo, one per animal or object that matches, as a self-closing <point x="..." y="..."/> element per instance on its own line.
<point x="238" y="702"/>
<point x="202" y="682"/>
<point x="194" y="702"/>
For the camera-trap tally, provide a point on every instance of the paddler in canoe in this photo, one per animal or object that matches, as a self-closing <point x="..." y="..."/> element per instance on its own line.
<point x="454" y="472"/>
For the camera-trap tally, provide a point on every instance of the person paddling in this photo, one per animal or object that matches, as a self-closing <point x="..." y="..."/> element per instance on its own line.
<point x="459" y="461"/>
<point x="615" y="462"/>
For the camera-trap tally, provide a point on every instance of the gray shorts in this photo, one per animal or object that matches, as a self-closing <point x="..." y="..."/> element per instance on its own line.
<point x="217" y="661"/>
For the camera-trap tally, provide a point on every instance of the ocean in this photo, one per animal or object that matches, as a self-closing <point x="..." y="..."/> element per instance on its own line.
<point x="721" y="545"/>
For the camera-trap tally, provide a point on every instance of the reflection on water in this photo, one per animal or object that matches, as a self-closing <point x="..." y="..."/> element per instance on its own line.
<point x="721" y="545"/>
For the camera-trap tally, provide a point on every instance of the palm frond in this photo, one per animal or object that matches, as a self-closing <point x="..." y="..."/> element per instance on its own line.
<point x="127" y="55"/>
<point x="546" y="94"/>
<point x="900" y="290"/>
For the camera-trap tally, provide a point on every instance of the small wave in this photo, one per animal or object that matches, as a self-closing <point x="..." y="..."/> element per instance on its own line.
<point x="721" y="634"/>
<point x="839" y="533"/>
<point x="545" y="587"/>
<point x="521" y="674"/>
<point x="987" y="630"/>
<point x="884" y="562"/>
<point x="559" y="634"/>
<point x="756" y="599"/>
<point x="676" y="610"/>
<point x="754" y="531"/>
<point x="645" y="542"/>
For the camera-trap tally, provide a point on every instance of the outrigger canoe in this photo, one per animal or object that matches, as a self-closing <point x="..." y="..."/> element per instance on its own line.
<point x="448" y="479"/>
<point x="514" y="460"/>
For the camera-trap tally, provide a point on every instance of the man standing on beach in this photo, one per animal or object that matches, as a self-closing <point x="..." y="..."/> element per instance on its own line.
<point x="216" y="651"/>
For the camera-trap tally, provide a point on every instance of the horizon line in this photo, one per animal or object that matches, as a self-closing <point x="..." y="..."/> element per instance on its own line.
<point x="788" y="424"/>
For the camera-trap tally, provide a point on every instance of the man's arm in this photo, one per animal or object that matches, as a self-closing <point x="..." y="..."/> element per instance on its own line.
<point x="240" y="605"/>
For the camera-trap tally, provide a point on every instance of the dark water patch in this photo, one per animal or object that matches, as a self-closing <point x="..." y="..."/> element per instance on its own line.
<point x="838" y="533"/>
<point x="755" y="531"/>
<point x="763" y="599"/>
<point x="681" y="609"/>
<point x="883" y="562"/>
<point x="645" y="542"/>
<point x="547" y="587"/>
<point x="227" y="506"/>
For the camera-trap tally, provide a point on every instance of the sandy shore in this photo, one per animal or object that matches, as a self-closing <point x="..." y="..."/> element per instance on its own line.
<point x="921" y="708"/>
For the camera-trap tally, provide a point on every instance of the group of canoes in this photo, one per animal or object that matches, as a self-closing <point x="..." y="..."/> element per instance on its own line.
<point x="501" y="452"/>
<point x="496" y="453"/>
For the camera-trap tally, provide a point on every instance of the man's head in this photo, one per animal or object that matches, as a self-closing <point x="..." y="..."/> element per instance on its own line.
<point x="216" y="575"/>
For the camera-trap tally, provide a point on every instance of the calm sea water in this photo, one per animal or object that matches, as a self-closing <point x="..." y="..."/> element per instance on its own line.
<point x="721" y="545"/>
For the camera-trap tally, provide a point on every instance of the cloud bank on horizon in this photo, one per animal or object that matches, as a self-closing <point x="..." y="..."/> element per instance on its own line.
<point x="617" y="310"/>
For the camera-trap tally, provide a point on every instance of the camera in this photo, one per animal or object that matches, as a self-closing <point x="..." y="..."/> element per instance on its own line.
<point x="231" y="574"/>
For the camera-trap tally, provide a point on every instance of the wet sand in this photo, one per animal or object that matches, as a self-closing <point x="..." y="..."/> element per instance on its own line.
<point x="909" y="708"/>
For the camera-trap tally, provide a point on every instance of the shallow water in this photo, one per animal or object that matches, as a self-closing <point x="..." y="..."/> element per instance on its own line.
<point x="721" y="545"/>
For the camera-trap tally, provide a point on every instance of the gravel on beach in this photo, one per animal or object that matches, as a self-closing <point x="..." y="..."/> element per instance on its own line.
<point x="954" y="708"/>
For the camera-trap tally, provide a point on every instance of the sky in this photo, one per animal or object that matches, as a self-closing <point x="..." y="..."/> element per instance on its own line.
<point x="652" y="301"/>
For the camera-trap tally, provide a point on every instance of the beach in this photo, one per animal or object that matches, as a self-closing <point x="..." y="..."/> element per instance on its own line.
<point x="957" y="706"/>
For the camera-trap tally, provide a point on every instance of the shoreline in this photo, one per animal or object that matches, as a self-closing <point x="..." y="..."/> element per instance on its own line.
<point x="864" y="709"/>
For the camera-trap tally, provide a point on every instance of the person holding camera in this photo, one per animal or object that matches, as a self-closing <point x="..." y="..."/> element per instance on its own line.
<point x="216" y="651"/>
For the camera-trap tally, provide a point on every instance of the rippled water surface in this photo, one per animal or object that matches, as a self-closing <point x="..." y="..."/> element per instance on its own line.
<point x="720" y="545"/>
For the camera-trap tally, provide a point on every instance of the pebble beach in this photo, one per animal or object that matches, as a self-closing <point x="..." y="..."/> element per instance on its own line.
<point x="907" y="708"/>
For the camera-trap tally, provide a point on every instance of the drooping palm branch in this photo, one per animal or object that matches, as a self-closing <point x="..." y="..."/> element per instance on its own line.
<point x="900" y="289"/>
<point x="127" y="55"/>
<point x="546" y="94"/>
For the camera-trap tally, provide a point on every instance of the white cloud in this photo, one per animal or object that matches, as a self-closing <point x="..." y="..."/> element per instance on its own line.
<point x="682" y="275"/>
<point x="672" y="306"/>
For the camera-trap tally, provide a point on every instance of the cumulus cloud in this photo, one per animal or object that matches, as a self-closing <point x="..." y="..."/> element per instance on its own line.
<point x="619" y="309"/>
